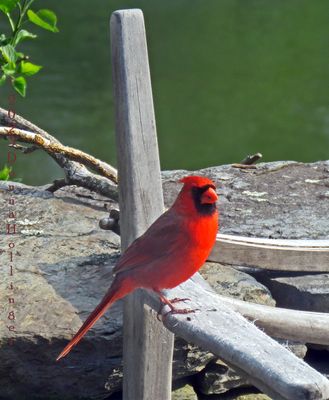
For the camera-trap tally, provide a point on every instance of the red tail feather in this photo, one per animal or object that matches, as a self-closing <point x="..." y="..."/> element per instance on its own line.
<point x="117" y="290"/>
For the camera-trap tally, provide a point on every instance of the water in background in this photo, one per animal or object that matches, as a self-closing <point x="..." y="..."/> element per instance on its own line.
<point x="230" y="77"/>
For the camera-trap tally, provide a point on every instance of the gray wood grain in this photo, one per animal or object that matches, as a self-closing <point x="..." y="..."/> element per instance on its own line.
<point x="218" y="328"/>
<point x="272" y="254"/>
<point x="283" y="323"/>
<point x="148" y="346"/>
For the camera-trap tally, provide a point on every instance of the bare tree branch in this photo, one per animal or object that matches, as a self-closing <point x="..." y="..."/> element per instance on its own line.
<point x="24" y="149"/>
<point x="75" y="172"/>
<point x="69" y="152"/>
<point x="57" y="184"/>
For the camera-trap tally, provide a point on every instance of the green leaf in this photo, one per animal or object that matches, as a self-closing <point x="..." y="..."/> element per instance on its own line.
<point x="46" y="19"/>
<point x="5" y="173"/>
<point x="8" y="53"/>
<point x="8" y="5"/>
<point x="3" y="40"/>
<point x="20" y="55"/>
<point x="3" y="79"/>
<point x="9" y="69"/>
<point x="27" y="68"/>
<point x="22" y="35"/>
<point x="19" y="85"/>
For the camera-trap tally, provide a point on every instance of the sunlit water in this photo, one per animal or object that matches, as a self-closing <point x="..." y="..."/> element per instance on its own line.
<point x="230" y="77"/>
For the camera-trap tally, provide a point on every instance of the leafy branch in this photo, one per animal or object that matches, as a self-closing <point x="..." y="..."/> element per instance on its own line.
<point x="5" y="173"/>
<point x="14" y="65"/>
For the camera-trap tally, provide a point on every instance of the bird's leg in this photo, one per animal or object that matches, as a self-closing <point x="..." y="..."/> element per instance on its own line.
<point x="169" y="303"/>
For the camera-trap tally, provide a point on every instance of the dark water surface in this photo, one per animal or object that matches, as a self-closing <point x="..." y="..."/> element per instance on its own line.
<point x="230" y="77"/>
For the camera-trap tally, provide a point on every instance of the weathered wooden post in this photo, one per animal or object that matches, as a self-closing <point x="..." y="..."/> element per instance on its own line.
<point x="148" y="346"/>
<point x="216" y="327"/>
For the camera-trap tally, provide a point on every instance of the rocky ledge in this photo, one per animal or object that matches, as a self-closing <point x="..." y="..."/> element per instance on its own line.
<point x="62" y="262"/>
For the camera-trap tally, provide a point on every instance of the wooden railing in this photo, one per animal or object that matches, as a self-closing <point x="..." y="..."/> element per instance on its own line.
<point x="216" y="326"/>
<point x="273" y="254"/>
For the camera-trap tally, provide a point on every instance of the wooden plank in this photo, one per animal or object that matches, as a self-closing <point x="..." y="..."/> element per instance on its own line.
<point x="148" y="346"/>
<point x="217" y="328"/>
<point x="283" y="323"/>
<point x="273" y="254"/>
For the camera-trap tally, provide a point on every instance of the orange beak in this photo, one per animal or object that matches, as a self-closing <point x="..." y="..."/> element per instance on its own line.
<point x="209" y="196"/>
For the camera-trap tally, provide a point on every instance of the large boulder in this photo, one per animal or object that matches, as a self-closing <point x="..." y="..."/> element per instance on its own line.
<point x="283" y="199"/>
<point x="62" y="266"/>
<point x="62" y="263"/>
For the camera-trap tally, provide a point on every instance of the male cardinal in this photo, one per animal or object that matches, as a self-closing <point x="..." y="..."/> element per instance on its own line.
<point x="174" y="247"/>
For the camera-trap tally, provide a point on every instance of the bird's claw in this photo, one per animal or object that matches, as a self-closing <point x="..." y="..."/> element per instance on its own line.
<point x="178" y="300"/>
<point x="180" y="311"/>
<point x="173" y="310"/>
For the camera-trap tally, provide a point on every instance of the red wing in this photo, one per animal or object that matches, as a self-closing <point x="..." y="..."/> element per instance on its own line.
<point x="163" y="237"/>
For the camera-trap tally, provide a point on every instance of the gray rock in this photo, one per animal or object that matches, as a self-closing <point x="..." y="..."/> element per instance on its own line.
<point x="282" y="199"/>
<point x="228" y="281"/>
<point x="185" y="392"/>
<point x="306" y="292"/>
<point x="62" y="266"/>
<point x="189" y="359"/>
<point x="218" y="378"/>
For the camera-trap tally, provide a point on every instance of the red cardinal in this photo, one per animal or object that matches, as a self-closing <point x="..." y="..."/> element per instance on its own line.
<point x="174" y="247"/>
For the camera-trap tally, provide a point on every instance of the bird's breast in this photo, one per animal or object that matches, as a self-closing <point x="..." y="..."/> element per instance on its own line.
<point x="200" y="237"/>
